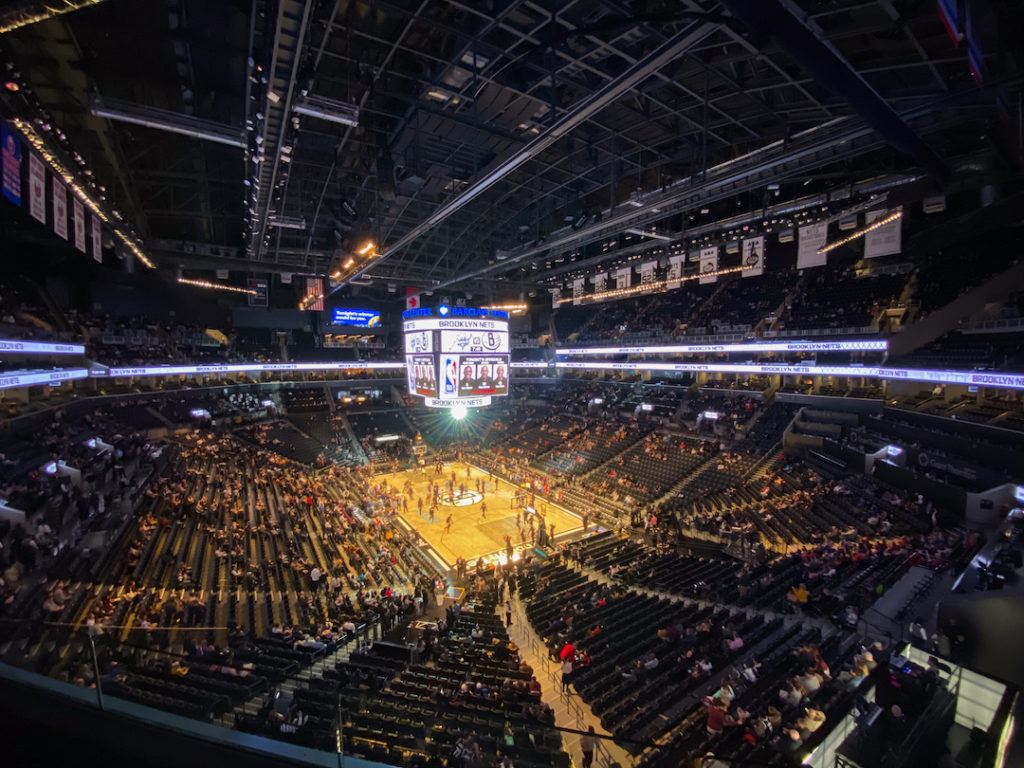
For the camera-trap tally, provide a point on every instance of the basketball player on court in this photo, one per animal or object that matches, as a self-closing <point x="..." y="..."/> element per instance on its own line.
<point x="483" y="510"/>
<point x="448" y="523"/>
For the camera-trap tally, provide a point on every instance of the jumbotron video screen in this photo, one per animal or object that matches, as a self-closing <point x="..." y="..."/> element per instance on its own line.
<point x="456" y="357"/>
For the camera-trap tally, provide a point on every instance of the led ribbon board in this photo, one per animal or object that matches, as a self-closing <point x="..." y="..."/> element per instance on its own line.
<point x="17" y="346"/>
<point x="200" y="370"/>
<point x="969" y="378"/>
<point x="996" y="379"/>
<point x="867" y="345"/>
<point x="28" y="378"/>
<point x="456" y="356"/>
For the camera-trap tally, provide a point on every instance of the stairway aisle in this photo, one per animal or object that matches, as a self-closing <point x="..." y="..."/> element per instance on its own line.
<point x="570" y="710"/>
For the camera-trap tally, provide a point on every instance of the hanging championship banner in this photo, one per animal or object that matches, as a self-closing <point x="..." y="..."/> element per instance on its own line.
<point x="60" y="209"/>
<point x="812" y="237"/>
<point x="600" y="281"/>
<point x="623" y="278"/>
<point x="675" y="271"/>
<point x="578" y="287"/>
<point x="647" y="272"/>
<point x="258" y="299"/>
<point x="97" y="239"/>
<point x="884" y="241"/>
<point x="708" y="263"/>
<point x="78" y="216"/>
<point x="286" y="278"/>
<point x="556" y="297"/>
<point x="223" y="274"/>
<point x="36" y="188"/>
<point x="753" y="257"/>
<point x="11" y="148"/>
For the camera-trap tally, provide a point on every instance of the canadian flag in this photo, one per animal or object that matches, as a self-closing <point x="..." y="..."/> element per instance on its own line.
<point x="412" y="298"/>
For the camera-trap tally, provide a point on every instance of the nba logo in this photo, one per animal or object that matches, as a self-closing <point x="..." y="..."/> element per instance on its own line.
<point x="451" y="376"/>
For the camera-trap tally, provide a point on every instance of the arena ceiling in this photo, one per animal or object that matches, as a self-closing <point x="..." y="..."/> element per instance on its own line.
<point x="496" y="137"/>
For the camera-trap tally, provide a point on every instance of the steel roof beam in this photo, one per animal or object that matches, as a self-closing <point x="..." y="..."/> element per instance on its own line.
<point x="829" y="68"/>
<point x="577" y="115"/>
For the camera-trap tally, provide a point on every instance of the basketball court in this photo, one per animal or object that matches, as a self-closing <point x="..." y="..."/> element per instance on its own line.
<point x="472" y="535"/>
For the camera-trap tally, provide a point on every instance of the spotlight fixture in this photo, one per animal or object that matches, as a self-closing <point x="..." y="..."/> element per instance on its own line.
<point x="216" y="286"/>
<point x="656" y="287"/>
<point x="876" y="224"/>
<point x="87" y="199"/>
<point x="512" y="309"/>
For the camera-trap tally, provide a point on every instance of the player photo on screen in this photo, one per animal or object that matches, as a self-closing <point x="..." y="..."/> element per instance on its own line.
<point x="423" y="379"/>
<point x="483" y="376"/>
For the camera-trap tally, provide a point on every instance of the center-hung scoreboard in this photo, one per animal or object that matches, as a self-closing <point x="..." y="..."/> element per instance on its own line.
<point x="456" y="356"/>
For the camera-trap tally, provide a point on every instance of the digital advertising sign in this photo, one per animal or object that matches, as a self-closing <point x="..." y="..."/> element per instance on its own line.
<point x="355" y="318"/>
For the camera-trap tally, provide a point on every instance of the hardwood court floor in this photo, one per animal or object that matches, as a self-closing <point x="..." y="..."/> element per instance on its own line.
<point x="471" y="536"/>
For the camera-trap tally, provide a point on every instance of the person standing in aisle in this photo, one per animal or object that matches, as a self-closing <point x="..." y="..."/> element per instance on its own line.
<point x="587" y="744"/>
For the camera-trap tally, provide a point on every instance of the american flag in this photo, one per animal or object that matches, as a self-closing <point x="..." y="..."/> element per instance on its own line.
<point x="314" y="297"/>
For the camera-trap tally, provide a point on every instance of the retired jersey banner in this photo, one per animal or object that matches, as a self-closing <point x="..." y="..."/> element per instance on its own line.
<point x="578" y="288"/>
<point x="556" y="297"/>
<point x="78" y="216"/>
<point x="600" y="281"/>
<point x="647" y="272"/>
<point x="812" y="237"/>
<point x="623" y="278"/>
<point x="675" y="271"/>
<point x="708" y="264"/>
<point x="97" y="239"/>
<point x="11" y="163"/>
<point x="60" y="208"/>
<point x="36" y="188"/>
<point x="884" y="241"/>
<point x="753" y="257"/>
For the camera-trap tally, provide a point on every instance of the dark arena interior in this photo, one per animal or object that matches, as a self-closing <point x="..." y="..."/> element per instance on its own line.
<point x="512" y="383"/>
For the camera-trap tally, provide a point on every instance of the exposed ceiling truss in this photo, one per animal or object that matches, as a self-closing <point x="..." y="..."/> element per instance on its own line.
<point x="492" y="135"/>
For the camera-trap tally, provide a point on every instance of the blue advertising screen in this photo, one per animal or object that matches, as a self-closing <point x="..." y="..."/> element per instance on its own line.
<point x="360" y="318"/>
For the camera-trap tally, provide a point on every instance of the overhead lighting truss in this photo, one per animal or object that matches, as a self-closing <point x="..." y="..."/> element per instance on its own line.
<point x="331" y="110"/>
<point x="165" y="120"/>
